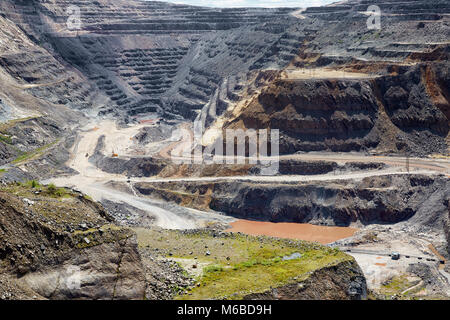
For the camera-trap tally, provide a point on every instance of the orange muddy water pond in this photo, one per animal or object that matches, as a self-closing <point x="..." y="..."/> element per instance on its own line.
<point x="300" y="231"/>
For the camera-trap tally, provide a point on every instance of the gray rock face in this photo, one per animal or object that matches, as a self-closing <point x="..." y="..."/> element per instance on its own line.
<point x="329" y="202"/>
<point x="431" y="277"/>
<point x="344" y="281"/>
<point x="126" y="61"/>
<point x="367" y="202"/>
<point x="136" y="167"/>
<point x="447" y="226"/>
<point x="389" y="113"/>
<point x="45" y="260"/>
<point x="129" y="55"/>
<point x="106" y="271"/>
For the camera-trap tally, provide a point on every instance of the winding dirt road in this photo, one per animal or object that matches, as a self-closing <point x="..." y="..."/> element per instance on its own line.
<point x="93" y="181"/>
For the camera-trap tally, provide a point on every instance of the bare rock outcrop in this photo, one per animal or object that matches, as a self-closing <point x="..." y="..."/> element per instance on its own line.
<point x="394" y="113"/>
<point x="343" y="281"/>
<point x="67" y="250"/>
<point x="447" y="225"/>
<point x="339" y="202"/>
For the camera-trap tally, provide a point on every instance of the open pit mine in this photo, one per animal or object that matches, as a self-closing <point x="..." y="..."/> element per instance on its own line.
<point x="156" y="151"/>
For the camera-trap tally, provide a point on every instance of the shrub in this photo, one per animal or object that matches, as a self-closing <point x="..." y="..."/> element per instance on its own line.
<point x="31" y="184"/>
<point x="60" y="192"/>
<point x="51" y="188"/>
<point x="5" y="139"/>
<point x="213" y="268"/>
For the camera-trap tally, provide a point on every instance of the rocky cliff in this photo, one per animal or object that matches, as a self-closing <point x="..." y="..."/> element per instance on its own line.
<point x="447" y="226"/>
<point x="343" y="281"/>
<point x="392" y="113"/>
<point x="131" y="58"/>
<point x="341" y="202"/>
<point x="130" y="53"/>
<point x="349" y="88"/>
<point x="59" y="245"/>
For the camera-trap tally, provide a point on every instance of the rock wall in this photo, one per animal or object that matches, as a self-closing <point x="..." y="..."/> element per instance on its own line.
<point x="344" y="281"/>
<point x="341" y="202"/>
<point x="447" y="225"/>
<point x="135" y="57"/>
<point x="108" y="271"/>
<point x="47" y="249"/>
<point x="366" y="202"/>
<point x="389" y="113"/>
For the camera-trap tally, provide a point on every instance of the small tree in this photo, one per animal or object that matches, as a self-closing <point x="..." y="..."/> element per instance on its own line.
<point x="51" y="188"/>
<point x="34" y="184"/>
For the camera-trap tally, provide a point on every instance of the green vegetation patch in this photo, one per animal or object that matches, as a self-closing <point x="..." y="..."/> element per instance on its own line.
<point x="5" y="139"/>
<point x="33" y="154"/>
<point x="259" y="275"/>
<point x="5" y="126"/>
<point x="105" y="234"/>
<point x="235" y="265"/>
<point x="401" y="286"/>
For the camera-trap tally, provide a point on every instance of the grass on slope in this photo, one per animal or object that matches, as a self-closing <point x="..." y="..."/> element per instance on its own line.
<point x="237" y="265"/>
<point x="33" y="154"/>
<point x="402" y="287"/>
<point x="5" y="126"/>
<point x="32" y="188"/>
<point x="6" y="139"/>
<point x="60" y="207"/>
